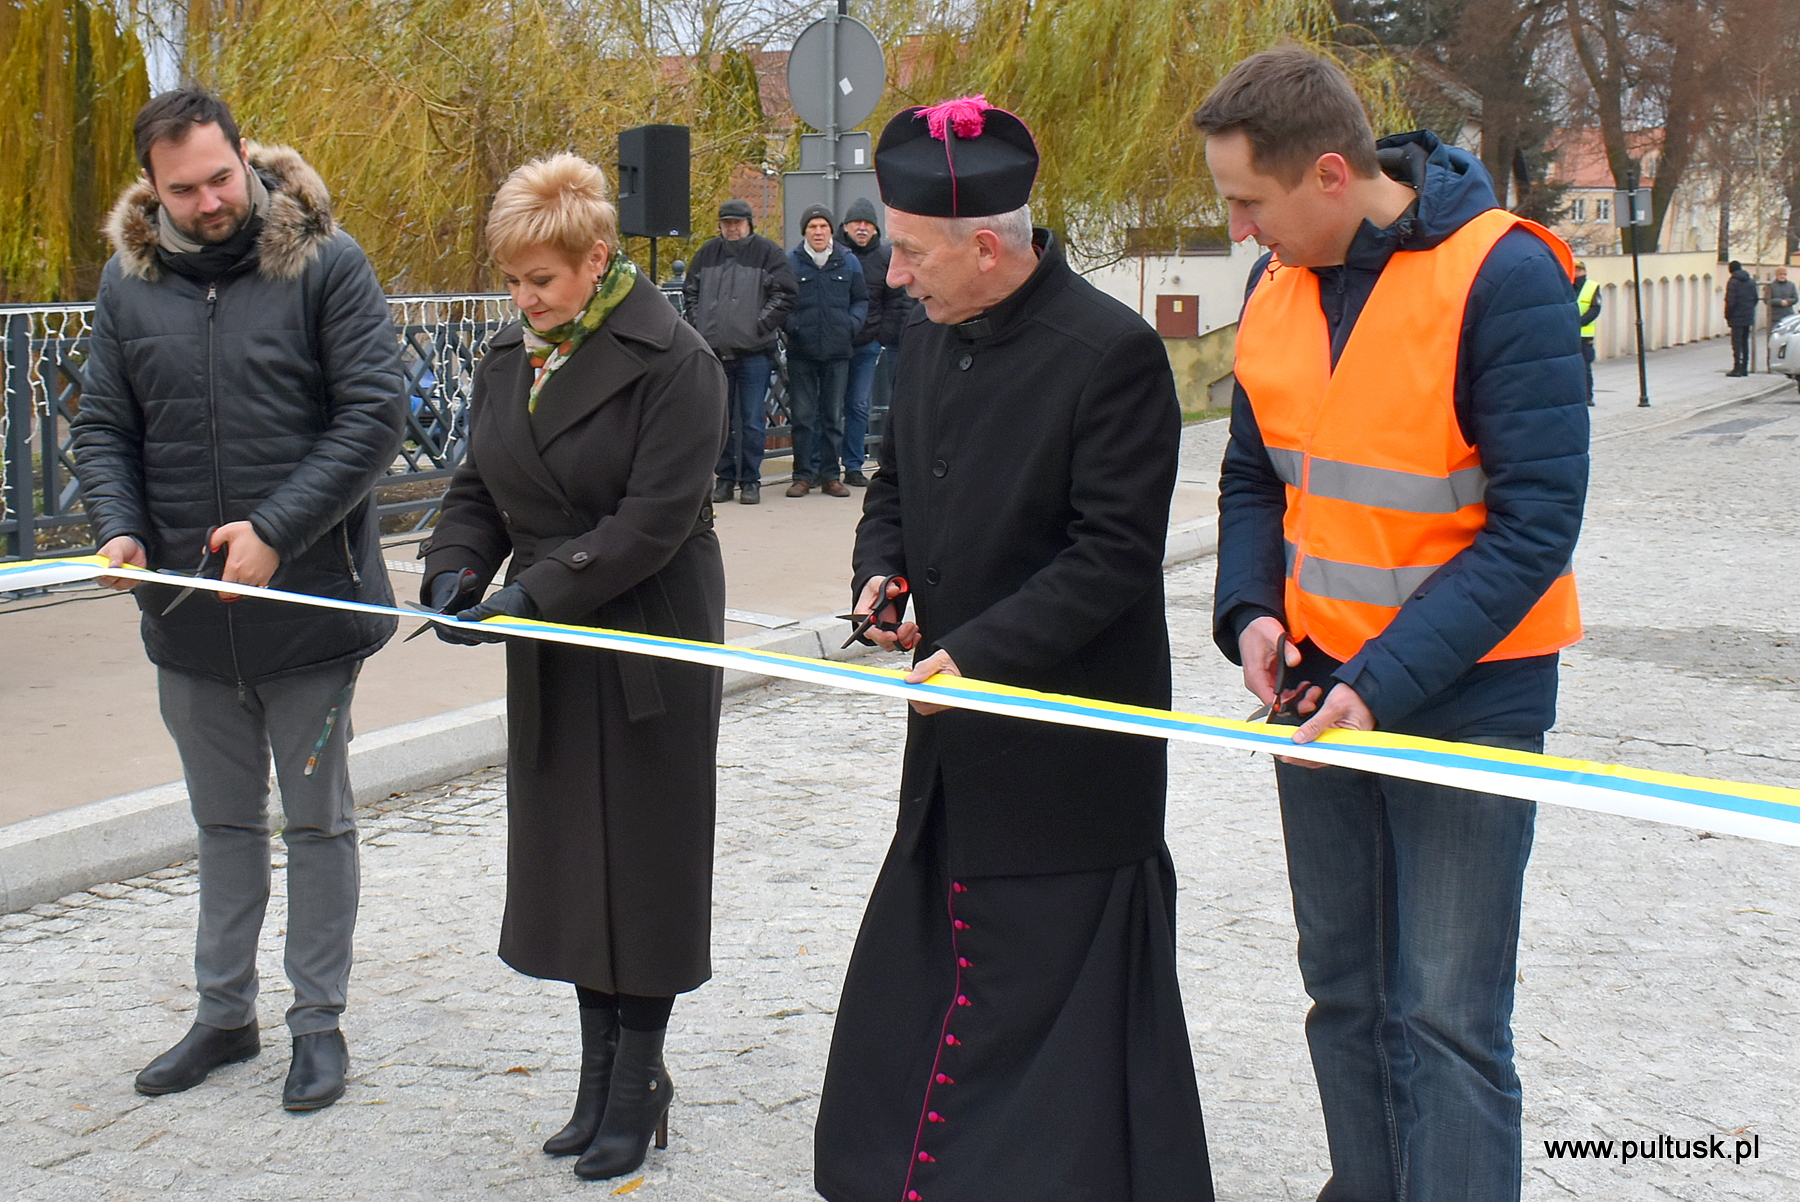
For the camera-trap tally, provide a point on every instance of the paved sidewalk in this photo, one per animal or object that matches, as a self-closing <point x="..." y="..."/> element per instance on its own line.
<point x="1660" y="967"/>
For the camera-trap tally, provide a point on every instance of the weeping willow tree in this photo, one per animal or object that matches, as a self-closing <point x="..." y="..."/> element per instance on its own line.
<point x="1109" y="91"/>
<point x="71" y="80"/>
<point x="414" y="110"/>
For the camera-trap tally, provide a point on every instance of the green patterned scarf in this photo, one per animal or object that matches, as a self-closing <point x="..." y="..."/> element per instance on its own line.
<point x="551" y="348"/>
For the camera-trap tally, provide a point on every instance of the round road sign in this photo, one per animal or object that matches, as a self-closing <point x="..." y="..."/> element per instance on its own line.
<point x="855" y="75"/>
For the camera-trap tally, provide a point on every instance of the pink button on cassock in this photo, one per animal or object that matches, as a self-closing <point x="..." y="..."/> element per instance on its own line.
<point x="961" y="1000"/>
<point x="935" y="1117"/>
<point x="945" y="1079"/>
<point x="961" y="962"/>
<point x="926" y="1158"/>
<point x="960" y="925"/>
<point x="951" y="1040"/>
<point x="913" y="1195"/>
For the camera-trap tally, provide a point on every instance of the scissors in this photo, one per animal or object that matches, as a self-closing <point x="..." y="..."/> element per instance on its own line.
<point x="864" y="621"/>
<point x="462" y="581"/>
<point x="1269" y="712"/>
<point x="208" y="570"/>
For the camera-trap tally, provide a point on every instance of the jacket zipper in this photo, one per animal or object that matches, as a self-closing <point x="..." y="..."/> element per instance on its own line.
<point x="349" y="559"/>
<point x="212" y="421"/>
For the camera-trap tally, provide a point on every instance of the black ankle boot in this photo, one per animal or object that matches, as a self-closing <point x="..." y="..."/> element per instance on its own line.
<point x="599" y="1040"/>
<point x="200" y="1051"/>
<point x="637" y="1107"/>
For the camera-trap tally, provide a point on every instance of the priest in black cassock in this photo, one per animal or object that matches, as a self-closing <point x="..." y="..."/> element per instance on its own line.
<point x="1011" y="1026"/>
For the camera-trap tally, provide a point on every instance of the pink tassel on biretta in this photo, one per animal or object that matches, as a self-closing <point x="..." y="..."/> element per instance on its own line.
<point x="964" y="115"/>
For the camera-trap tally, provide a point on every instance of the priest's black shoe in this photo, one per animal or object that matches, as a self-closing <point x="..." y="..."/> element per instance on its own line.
<point x="599" y="1041"/>
<point x="637" y="1108"/>
<point x="316" y="1077"/>
<point x="200" y="1051"/>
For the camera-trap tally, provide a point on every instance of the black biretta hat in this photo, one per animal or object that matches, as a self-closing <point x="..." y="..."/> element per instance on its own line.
<point x="962" y="158"/>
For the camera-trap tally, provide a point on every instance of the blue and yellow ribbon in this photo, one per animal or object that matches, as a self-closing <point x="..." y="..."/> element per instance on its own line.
<point x="1729" y="807"/>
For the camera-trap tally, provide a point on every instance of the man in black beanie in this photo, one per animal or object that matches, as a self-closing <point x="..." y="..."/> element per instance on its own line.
<point x="1011" y="1026"/>
<point x="739" y="290"/>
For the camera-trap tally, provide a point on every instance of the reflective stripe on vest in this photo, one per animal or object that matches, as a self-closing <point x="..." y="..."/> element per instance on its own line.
<point x="1583" y="299"/>
<point x="1382" y="489"/>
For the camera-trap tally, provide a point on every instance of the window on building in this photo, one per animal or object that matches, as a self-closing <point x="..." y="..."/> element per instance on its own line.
<point x="1578" y="209"/>
<point x="1603" y="208"/>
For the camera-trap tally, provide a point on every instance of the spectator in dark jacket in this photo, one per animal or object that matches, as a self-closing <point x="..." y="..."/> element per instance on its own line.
<point x="1740" y="315"/>
<point x="739" y="289"/>
<point x="862" y="236"/>
<point x="1425" y="592"/>
<point x="822" y="331"/>
<point x="242" y="397"/>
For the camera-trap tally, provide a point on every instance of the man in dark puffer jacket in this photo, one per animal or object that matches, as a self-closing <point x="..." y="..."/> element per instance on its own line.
<point x="243" y="395"/>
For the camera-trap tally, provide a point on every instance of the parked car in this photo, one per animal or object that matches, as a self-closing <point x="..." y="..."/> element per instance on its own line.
<point x="1784" y="347"/>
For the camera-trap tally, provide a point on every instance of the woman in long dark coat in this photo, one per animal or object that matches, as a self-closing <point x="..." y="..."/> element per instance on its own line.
<point x="593" y="430"/>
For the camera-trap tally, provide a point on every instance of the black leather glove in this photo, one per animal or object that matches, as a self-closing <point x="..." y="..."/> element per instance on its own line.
<point x="447" y="592"/>
<point x="513" y="601"/>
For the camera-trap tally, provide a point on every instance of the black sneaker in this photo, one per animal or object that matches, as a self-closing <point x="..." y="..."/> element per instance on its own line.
<point x="722" y="491"/>
<point x="750" y="494"/>
<point x="856" y="480"/>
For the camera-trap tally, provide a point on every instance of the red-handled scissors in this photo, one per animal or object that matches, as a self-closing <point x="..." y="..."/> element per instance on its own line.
<point x="883" y="600"/>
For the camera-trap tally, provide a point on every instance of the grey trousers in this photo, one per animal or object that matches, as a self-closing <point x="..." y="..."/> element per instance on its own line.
<point x="225" y="741"/>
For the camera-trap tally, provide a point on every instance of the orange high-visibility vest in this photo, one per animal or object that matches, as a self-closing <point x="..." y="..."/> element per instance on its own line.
<point x="1382" y="488"/>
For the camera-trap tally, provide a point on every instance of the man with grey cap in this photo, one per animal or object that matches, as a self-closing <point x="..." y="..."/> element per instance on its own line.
<point x="1011" y="1027"/>
<point x="739" y="290"/>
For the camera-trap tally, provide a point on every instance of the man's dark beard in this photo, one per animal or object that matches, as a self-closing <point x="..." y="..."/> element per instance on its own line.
<point x="224" y="233"/>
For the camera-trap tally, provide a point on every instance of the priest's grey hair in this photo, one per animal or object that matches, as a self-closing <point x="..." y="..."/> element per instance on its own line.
<point x="1013" y="229"/>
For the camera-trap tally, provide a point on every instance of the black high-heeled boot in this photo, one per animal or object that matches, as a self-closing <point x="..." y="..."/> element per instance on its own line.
<point x="599" y="1041"/>
<point x="637" y="1107"/>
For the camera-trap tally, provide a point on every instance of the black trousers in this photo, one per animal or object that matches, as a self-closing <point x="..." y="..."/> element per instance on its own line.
<point x="1740" y="348"/>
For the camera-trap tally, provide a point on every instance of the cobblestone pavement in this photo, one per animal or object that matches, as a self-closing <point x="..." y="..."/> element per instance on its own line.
<point x="1659" y="970"/>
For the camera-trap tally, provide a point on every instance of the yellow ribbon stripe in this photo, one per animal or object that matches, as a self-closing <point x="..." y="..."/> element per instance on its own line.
<point x="1730" y="807"/>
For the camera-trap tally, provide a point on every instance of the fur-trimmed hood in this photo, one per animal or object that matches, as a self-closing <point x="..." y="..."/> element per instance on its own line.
<point x="298" y="222"/>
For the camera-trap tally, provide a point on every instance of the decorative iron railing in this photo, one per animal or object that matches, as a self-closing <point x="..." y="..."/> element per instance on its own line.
<point x="441" y="337"/>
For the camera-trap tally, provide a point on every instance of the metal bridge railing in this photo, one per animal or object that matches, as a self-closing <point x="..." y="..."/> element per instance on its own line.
<point x="442" y="338"/>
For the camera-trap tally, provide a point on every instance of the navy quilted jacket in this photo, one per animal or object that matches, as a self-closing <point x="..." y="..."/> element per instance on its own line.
<point x="1520" y="398"/>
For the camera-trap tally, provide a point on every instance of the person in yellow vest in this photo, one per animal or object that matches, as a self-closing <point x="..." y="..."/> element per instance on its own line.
<point x="1400" y="498"/>
<point x="1587" y="309"/>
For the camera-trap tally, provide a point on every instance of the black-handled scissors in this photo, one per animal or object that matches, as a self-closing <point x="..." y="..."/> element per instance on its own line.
<point x="882" y="602"/>
<point x="463" y="580"/>
<point x="208" y="570"/>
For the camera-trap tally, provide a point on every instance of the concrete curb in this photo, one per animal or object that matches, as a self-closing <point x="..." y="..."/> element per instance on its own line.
<point x="44" y="858"/>
<point x="1191" y="540"/>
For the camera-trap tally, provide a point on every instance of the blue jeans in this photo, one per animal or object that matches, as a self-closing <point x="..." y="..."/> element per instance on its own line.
<point x="747" y="385"/>
<point x="856" y="404"/>
<point x="816" y="413"/>
<point x="1407" y="896"/>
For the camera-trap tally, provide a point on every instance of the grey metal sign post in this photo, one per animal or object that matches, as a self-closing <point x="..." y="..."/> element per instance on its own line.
<point x="836" y="74"/>
<point x="1631" y="209"/>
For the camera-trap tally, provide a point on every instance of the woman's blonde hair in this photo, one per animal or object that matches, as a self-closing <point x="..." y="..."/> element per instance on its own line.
<point x="560" y="202"/>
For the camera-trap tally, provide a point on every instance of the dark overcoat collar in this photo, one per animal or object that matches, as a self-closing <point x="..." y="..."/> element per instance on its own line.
<point x="604" y="366"/>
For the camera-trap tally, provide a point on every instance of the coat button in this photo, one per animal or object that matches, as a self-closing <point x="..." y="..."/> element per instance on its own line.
<point x="939" y="468"/>
<point x="506" y="517"/>
<point x="965" y="361"/>
<point x="579" y="557"/>
<point x="931" y="576"/>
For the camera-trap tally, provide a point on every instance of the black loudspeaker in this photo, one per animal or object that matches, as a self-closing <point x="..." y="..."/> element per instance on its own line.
<point x="653" y="181"/>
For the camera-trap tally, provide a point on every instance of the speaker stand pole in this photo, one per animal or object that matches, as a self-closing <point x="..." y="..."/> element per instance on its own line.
<point x="653" y="260"/>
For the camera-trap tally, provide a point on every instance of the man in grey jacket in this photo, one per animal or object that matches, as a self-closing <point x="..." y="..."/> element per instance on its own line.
<point x="739" y="291"/>
<point x="242" y="397"/>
